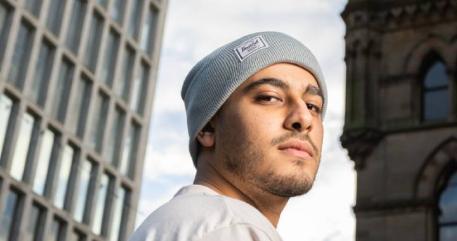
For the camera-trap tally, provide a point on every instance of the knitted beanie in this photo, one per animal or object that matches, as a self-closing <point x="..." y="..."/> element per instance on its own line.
<point x="214" y="78"/>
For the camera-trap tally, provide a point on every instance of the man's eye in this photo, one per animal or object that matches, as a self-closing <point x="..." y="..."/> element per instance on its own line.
<point x="314" y="108"/>
<point x="267" y="98"/>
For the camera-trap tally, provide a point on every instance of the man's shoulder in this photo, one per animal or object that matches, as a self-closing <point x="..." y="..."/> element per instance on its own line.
<point x="192" y="215"/>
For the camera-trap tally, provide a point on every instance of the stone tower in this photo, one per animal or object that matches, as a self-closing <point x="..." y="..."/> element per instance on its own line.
<point x="401" y="117"/>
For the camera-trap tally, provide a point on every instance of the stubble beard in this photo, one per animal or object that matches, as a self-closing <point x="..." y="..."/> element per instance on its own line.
<point x="243" y="161"/>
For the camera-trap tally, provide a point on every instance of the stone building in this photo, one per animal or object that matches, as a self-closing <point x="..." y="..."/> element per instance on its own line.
<point x="77" y="81"/>
<point x="401" y="117"/>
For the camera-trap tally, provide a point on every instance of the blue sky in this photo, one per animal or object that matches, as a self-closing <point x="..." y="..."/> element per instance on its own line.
<point x="193" y="29"/>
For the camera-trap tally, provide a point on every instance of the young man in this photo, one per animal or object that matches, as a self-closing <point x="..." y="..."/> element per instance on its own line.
<point x="254" y="108"/>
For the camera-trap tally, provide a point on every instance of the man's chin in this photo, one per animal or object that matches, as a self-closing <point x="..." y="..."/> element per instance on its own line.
<point x="288" y="187"/>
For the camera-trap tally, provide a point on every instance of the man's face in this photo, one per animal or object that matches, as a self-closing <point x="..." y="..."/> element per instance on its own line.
<point x="269" y="132"/>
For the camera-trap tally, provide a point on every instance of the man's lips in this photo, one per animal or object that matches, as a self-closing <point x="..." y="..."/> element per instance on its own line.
<point x="297" y="148"/>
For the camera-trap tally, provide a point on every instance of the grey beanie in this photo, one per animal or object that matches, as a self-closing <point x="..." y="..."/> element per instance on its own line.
<point x="214" y="78"/>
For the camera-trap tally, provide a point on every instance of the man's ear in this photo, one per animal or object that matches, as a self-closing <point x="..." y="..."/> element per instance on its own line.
<point x="206" y="136"/>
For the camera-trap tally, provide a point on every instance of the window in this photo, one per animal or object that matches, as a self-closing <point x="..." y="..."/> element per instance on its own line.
<point x="85" y="171"/>
<point x="93" y="41"/>
<point x="55" y="13"/>
<point x="115" y="138"/>
<point x="123" y="87"/>
<point x="62" y="90"/>
<point x="33" y="6"/>
<point x="44" y="158"/>
<point x="63" y="176"/>
<point x="109" y="62"/>
<point x="140" y="89"/>
<point x="129" y="150"/>
<point x="21" y="54"/>
<point x="9" y="215"/>
<point x="148" y="30"/>
<point x="102" y="3"/>
<point x="5" y="22"/>
<point x="76" y="24"/>
<point x="435" y="93"/>
<point x="135" y="17"/>
<point x="118" y="211"/>
<point x="22" y="146"/>
<point x="6" y="107"/>
<point x="448" y="210"/>
<point x="100" y="205"/>
<point x="42" y="71"/>
<point x="79" y="106"/>
<point x="117" y="11"/>
<point x="34" y="222"/>
<point x="56" y="233"/>
<point x="99" y="121"/>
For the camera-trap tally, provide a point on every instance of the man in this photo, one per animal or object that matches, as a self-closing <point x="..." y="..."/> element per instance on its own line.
<point x="254" y="110"/>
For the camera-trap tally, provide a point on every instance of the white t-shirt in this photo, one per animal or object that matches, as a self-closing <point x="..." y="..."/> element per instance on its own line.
<point x="197" y="213"/>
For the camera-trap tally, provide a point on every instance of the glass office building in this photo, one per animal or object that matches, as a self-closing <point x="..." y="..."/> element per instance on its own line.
<point x="77" y="79"/>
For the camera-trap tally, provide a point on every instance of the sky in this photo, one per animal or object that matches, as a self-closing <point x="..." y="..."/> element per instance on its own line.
<point x="193" y="29"/>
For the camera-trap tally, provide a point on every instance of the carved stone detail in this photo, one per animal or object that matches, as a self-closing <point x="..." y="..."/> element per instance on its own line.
<point x="360" y="143"/>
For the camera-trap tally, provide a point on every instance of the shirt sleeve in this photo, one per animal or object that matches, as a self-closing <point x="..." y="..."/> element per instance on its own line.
<point x="239" y="232"/>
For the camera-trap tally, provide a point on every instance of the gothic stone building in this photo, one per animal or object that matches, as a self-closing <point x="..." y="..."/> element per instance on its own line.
<point x="401" y="117"/>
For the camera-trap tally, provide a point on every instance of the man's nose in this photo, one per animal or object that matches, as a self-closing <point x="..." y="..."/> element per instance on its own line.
<point x="299" y="117"/>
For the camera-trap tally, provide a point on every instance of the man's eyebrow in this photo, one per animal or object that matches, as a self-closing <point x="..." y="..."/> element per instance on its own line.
<point x="314" y="90"/>
<point x="266" y="81"/>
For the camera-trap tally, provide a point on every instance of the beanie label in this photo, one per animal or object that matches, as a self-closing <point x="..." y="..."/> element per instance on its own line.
<point x="250" y="46"/>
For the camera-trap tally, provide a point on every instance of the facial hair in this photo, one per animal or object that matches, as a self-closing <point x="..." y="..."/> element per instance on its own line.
<point x="243" y="159"/>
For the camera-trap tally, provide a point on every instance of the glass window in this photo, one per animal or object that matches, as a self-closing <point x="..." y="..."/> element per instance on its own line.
<point x="129" y="150"/>
<point x="85" y="172"/>
<point x="448" y="210"/>
<point x="135" y="17"/>
<point x="99" y="121"/>
<point x="79" y="106"/>
<point x="63" y="176"/>
<point x="115" y="138"/>
<point x="4" y="12"/>
<point x="117" y="10"/>
<point x="436" y="93"/>
<point x="62" y="90"/>
<point x="148" y="30"/>
<point x="21" y="54"/>
<point x="100" y="205"/>
<point x="44" y="158"/>
<point x="35" y="218"/>
<point x="109" y="62"/>
<point x="33" y="6"/>
<point x="6" y="106"/>
<point x="78" y="11"/>
<point x="43" y="67"/>
<point x="9" y="215"/>
<point x="55" y="13"/>
<point x="102" y="3"/>
<point x="93" y="41"/>
<point x="22" y="146"/>
<point x="123" y="87"/>
<point x="5" y="22"/>
<point x="56" y="232"/>
<point x="140" y="89"/>
<point x="118" y="211"/>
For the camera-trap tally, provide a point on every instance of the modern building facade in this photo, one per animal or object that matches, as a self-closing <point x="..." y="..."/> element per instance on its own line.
<point x="77" y="81"/>
<point x="401" y="117"/>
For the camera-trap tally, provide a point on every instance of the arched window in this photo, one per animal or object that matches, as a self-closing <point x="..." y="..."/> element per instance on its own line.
<point x="435" y="93"/>
<point x="447" y="219"/>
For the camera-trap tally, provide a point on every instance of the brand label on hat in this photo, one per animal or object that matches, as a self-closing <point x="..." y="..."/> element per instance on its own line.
<point x="250" y="46"/>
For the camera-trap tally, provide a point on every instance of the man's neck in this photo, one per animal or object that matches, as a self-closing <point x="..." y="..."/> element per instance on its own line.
<point x="268" y="204"/>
